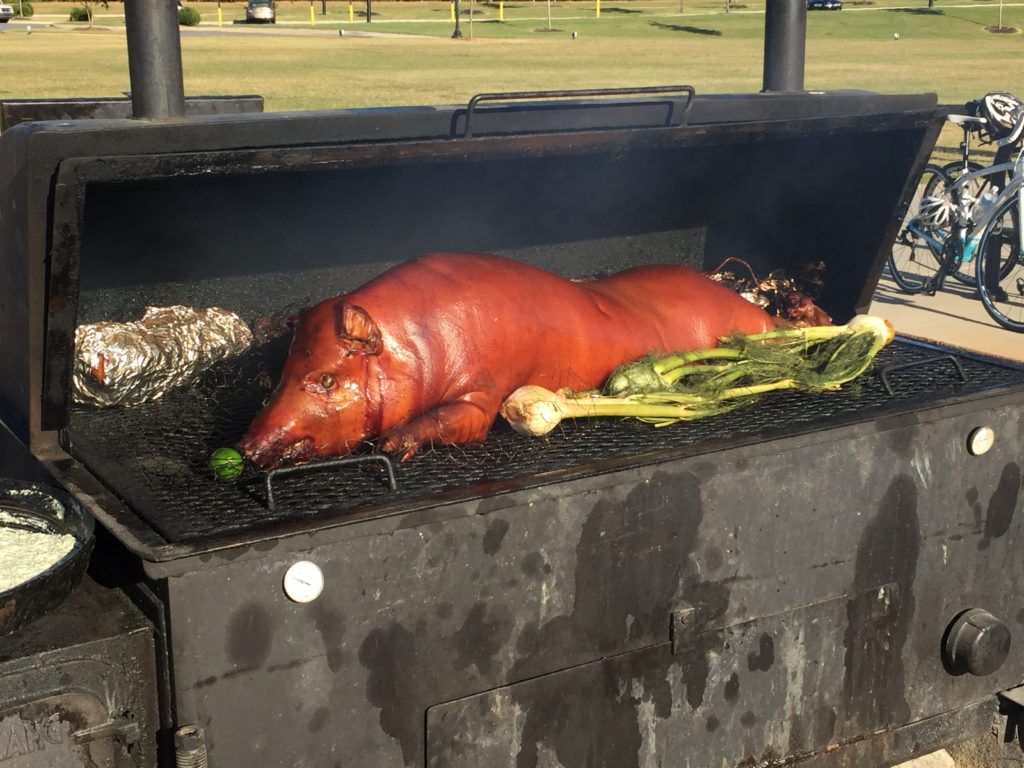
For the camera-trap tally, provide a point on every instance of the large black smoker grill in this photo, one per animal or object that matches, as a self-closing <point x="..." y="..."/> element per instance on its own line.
<point x="770" y="587"/>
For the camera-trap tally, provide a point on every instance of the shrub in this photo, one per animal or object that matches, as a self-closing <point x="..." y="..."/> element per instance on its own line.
<point x="188" y="17"/>
<point x="79" y="14"/>
<point x="24" y="9"/>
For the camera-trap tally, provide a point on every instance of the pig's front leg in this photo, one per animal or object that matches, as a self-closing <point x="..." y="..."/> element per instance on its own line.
<point x="466" y="420"/>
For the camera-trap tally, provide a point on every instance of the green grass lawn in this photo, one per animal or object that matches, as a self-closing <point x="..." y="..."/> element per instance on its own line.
<point x="643" y="42"/>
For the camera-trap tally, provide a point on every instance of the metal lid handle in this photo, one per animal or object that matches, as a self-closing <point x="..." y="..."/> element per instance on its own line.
<point x="579" y="93"/>
<point x="329" y="464"/>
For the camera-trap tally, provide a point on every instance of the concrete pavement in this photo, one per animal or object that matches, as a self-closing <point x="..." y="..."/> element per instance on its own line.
<point x="953" y="316"/>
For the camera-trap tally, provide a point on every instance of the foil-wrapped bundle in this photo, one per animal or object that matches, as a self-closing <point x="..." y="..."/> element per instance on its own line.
<point x="131" y="363"/>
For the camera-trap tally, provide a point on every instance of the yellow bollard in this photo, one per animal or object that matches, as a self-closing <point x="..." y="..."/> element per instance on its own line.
<point x="351" y="12"/>
<point x="501" y="11"/>
<point x="597" y="9"/>
<point x="312" y="15"/>
<point x="451" y="10"/>
<point x="220" y="17"/>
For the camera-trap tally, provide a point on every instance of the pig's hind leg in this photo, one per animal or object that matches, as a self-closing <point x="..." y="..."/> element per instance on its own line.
<point x="466" y="420"/>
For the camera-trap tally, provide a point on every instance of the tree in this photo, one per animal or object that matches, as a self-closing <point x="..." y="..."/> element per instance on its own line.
<point x="89" y="4"/>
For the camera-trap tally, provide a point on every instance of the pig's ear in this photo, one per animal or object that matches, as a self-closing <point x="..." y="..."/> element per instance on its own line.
<point x="357" y="329"/>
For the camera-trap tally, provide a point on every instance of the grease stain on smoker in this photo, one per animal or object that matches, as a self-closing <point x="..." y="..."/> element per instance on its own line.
<point x="1002" y="505"/>
<point x="902" y="439"/>
<point x="397" y="684"/>
<point x="764" y="659"/>
<point x="495" y="535"/>
<point x="973" y="498"/>
<point x="708" y="470"/>
<point x="232" y="553"/>
<point x="250" y="636"/>
<point x="825" y="718"/>
<point x="713" y="558"/>
<point x="535" y="566"/>
<point x="330" y="624"/>
<point x="732" y="688"/>
<point x="319" y="719"/>
<point x="874" y="687"/>
<point x="480" y="638"/>
<point x="609" y="724"/>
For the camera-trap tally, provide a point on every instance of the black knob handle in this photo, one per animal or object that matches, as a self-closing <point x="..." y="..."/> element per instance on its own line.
<point x="977" y="642"/>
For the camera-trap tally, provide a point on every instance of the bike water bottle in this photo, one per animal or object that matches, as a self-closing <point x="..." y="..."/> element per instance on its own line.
<point x="987" y="200"/>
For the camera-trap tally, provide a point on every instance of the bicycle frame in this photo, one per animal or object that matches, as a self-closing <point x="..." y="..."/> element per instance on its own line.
<point x="957" y="210"/>
<point x="1014" y="188"/>
<point x="933" y="243"/>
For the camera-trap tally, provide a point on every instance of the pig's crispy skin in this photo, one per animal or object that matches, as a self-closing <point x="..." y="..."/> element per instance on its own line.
<point x="427" y="351"/>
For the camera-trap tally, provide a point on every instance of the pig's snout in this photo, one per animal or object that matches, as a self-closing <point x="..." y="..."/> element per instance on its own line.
<point x="276" y="448"/>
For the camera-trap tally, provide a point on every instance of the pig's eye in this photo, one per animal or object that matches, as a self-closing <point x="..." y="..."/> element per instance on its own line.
<point x="327" y="381"/>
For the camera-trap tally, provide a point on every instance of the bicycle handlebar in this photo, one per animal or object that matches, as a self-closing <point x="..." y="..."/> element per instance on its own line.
<point x="965" y="119"/>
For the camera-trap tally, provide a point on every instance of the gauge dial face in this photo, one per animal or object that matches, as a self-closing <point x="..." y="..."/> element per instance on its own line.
<point x="981" y="441"/>
<point x="303" y="582"/>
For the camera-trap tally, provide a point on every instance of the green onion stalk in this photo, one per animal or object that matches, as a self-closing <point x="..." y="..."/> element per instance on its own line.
<point x="692" y="385"/>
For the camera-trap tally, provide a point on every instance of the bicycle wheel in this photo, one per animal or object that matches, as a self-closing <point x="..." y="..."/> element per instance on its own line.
<point x="963" y="272"/>
<point x="916" y="257"/>
<point x="1000" y="272"/>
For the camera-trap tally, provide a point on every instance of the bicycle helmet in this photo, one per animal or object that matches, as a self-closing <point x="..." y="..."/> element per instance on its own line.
<point x="1002" y="111"/>
<point x="935" y="211"/>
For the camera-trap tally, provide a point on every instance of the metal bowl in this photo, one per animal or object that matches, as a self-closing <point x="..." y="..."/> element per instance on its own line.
<point x="33" y="506"/>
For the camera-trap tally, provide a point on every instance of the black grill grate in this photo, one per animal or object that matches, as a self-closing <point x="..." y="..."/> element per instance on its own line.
<point x="155" y="456"/>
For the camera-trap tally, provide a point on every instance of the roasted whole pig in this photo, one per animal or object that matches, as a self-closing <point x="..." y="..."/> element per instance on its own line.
<point x="427" y="351"/>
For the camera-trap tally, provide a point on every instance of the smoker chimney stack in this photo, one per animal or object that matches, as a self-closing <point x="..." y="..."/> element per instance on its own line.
<point x="785" y="38"/>
<point x="154" y="58"/>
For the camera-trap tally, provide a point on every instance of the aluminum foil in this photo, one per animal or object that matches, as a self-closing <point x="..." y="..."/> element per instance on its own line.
<point x="131" y="363"/>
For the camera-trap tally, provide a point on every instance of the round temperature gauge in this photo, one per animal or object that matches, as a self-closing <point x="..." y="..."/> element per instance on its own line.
<point x="303" y="582"/>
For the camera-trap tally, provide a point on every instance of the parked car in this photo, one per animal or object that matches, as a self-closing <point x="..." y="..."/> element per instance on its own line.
<point x="824" y="5"/>
<point x="261" y="11"/>
<point x="6" y="13"/>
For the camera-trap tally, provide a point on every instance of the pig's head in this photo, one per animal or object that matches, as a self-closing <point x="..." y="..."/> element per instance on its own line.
<point x="321" y="406"/>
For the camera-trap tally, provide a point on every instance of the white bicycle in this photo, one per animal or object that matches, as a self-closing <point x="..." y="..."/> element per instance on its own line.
<point x="954" y="218"/>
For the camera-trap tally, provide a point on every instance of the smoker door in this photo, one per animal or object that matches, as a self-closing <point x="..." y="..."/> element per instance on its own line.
<point x="748" y="693"/>
<point x="78" y="686"/>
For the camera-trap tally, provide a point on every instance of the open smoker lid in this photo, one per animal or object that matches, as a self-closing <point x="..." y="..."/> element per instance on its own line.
<point x="261" y="213"/>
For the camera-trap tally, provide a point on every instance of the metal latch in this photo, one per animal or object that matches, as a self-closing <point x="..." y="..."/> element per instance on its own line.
<point x="125" y="730"/>
<point x="681" y="627"/>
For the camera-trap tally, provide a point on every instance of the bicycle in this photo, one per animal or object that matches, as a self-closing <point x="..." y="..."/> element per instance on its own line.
<point x="971" y="124"/>
<point x="938" y="238"/>
<point x="1000" y="241"/>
